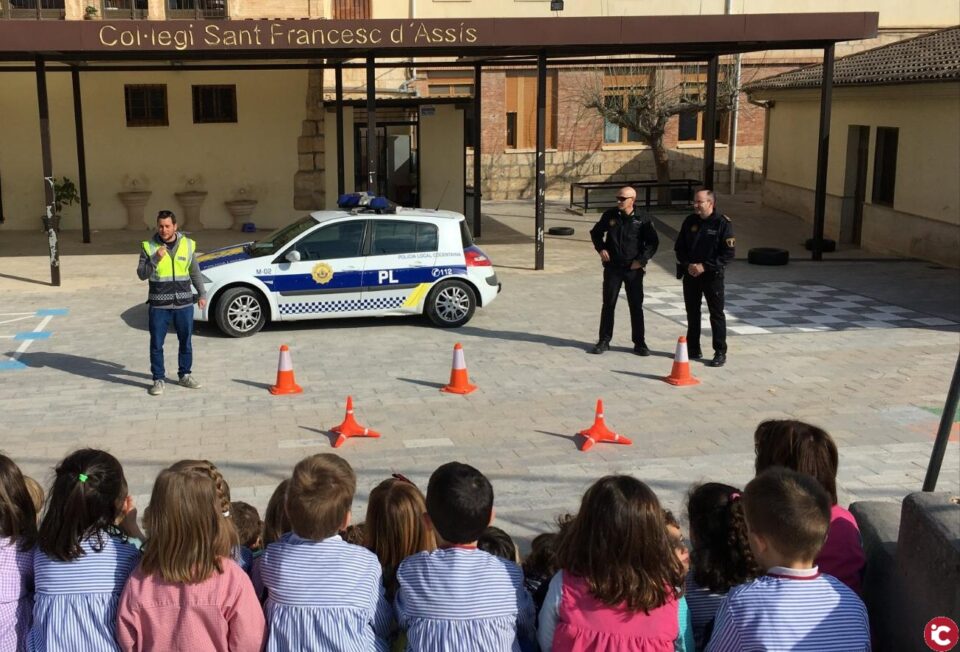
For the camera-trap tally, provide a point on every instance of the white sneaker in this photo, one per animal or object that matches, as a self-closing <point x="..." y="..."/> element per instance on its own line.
<point x="190" y="382"/>
<point x="157" y="388"/>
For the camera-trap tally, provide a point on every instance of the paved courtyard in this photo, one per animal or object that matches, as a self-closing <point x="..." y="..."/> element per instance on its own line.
<point x="863" y="346"/>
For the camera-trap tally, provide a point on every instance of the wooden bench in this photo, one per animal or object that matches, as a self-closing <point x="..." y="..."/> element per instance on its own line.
<point x="602" y="194"/>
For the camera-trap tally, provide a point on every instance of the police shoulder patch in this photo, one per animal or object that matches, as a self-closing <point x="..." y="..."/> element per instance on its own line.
<point x="731" y="242"/>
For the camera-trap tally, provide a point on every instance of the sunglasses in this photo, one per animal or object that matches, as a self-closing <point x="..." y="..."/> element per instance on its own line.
<point x="623" y="198"/>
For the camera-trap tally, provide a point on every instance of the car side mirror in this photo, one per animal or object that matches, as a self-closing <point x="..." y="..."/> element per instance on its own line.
<point x="293" y="256"/>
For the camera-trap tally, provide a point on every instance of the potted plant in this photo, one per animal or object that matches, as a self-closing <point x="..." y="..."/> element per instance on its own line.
<point x="64" y="194"/>
<point x="90" y="12"/>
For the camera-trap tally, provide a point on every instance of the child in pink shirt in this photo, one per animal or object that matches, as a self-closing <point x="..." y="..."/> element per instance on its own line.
<point x="188" y="593"/>
<point x="18" y="534"/>
<point x="617" y="591"/>
<point x="808" y="449"/>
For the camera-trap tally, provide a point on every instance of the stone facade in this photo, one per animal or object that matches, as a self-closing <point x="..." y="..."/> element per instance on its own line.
<point x="308" y="184"/>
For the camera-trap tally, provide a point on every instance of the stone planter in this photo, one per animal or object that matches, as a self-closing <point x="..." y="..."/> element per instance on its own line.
<point x="134" y="201"/>
<point x="240" y="210"/>
<point x="191" y="201"/>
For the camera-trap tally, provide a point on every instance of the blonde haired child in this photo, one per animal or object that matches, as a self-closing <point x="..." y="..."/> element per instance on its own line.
<point x="322" y="592"/>
<point x="188" y="593"/>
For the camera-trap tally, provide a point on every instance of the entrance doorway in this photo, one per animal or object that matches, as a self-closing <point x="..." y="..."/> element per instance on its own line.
<point x="398" y="168"/>
<point x="854" y="184"/>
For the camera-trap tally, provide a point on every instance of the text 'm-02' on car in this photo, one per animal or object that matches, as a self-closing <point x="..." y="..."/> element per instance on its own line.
<point x="367" y="259"/>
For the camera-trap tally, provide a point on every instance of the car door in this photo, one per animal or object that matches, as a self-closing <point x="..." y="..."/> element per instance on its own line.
<point x="399" y="268"/>
<point x="320" y="275"/>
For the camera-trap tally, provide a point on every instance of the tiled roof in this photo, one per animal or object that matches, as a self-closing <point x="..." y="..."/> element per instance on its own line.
<point x="933" y="57"/>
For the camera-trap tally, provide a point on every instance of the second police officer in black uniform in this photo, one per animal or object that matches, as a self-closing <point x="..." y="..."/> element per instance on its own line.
<point x="625" y="240"/>
<point x="704" y="246"/>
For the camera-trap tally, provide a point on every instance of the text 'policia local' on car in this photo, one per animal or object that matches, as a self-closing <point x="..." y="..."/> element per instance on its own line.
<point x="372" y="260"/>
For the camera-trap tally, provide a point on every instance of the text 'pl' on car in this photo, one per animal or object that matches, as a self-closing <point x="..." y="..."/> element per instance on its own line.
<point x="368" y="259"/>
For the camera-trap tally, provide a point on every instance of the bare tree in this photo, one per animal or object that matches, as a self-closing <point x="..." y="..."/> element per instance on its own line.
<point x="643" y="98"/>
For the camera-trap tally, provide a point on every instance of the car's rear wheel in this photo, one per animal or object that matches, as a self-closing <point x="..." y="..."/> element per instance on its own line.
<point x="240" y="312"/>
<point x="451" y="304"/>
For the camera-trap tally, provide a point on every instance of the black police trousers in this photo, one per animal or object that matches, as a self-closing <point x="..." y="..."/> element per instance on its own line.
<point x="708" y="285"/>
<point x="613" y="279"/>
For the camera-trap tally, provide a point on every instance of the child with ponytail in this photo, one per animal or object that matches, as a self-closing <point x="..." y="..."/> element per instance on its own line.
<point x="720" y="556"/>
<point x="82" y="558"/>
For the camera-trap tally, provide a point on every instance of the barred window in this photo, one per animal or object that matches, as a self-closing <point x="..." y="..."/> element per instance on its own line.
<point x="351" y="9"/>
<point x="215" y="103"/>
<point x="146" y="105"/>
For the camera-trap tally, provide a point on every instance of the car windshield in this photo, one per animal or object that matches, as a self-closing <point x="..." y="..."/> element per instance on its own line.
<point x="276" y="240"/>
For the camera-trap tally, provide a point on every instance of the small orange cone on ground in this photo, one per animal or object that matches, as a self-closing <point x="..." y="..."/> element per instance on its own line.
<point x="680" y="374"/>
<point x="599" y="432"/>
<point x="350" y="427"/>
<point x="459" y="382"/>
<point x="286" y="384"/>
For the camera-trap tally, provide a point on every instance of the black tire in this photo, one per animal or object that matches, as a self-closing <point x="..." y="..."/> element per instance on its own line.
<point x="768" y="256"/>
<point x="560" y="230"/>
<point x="240" y="312"/>
<point x="451" y="304"/>
<point x="829" y="246"/>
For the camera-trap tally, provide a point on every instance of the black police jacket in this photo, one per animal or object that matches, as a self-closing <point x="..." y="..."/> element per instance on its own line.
<point x="626" y="237"/>
<point x="708" y="241"/>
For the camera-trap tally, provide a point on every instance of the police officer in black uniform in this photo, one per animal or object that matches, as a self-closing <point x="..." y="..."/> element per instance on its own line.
<point x="704" y="247"/>
<point x="625" y="240"/>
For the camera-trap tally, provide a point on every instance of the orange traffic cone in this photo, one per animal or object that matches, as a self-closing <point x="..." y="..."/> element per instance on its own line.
<point x="350" y="427"/>
<point x="599" y="432"/>
<point x="459" y="381"/>
<point x="285" y="381"/>
<point x="680" y="375"/>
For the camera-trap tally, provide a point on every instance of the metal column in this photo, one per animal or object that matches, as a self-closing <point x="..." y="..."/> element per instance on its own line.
<point x="341" y="175"/>
<point x="710" y="122"/>
<point x="477" y="150"/>
<point x="540" y="157"/>
<point x="48" y="224"/>
<point x="81" y="154"/>
<point x="372" y="150"/>
<point x="943" y="432"/>
<point x="823" y="153"/>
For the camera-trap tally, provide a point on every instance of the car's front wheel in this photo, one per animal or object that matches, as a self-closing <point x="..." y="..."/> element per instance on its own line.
<point x="451" y="304"/>
<point x="240" y="312"/>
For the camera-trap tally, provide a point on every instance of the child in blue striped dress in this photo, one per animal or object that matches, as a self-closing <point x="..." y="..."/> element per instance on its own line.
<point x="18" y="533"/>
<point x="82" y="559"/>
<point x="459" y="597"/>
<point x="720" y="558"/>
<point x="322" y="592"/>
<point x="793" y="606"/>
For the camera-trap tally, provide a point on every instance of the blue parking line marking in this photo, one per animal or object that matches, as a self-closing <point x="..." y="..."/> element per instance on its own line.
<point x="52" y="312"/>
<point x="9" y="365"/>
<point x="33" y="335"/>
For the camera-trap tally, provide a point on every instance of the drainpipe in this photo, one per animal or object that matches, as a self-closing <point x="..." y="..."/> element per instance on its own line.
<point x="734" y="116"/>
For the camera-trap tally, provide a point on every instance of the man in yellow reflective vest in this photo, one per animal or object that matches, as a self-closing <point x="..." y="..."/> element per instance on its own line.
<point x="169" y="261"/>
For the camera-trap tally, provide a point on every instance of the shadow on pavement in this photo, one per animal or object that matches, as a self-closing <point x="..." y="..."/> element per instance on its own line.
<point x="522" y="336"/>
<point x="102" y="370"/>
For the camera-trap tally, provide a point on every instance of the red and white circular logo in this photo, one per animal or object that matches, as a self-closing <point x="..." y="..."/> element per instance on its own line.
<point x="941" y="634"/>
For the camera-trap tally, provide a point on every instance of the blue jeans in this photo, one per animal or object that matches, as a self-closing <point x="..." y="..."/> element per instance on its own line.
<point x="160" y="319"/>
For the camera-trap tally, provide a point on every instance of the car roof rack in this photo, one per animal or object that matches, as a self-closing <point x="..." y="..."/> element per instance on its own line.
<point x="364" y="202"/>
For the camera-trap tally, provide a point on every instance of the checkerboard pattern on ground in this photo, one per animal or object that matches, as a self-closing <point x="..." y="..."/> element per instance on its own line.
<point x="793" y="308"/>
<point x="311" y="307"/>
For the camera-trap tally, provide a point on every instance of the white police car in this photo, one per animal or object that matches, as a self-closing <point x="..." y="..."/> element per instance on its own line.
<point x="372" y="260"/>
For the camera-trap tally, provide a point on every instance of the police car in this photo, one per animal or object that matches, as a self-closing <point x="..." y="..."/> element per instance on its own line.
<point x="368" y="259"/>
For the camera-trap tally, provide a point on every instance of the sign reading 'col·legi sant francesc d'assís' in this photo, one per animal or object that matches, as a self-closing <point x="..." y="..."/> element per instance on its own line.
<point x="148" y="35"/>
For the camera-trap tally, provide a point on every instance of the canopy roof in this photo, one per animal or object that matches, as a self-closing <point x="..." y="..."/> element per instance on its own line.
<point x="686" y="36"/>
